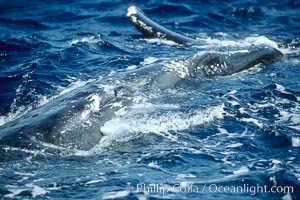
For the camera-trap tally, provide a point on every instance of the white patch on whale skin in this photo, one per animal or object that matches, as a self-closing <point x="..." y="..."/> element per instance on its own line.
<point x="132" y="10"/>
<point x="134" y="19"/>
<point x="94" y="106"/>
<point x="161" y="35"/>
<point x="177" y="66"/>
<point x="145" y="26"/>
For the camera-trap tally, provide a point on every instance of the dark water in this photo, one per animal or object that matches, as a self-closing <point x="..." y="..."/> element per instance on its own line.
<point x="239" y="131"/>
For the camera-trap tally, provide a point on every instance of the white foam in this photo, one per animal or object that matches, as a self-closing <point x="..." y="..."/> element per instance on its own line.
<point x="280" y="88"/>
<point x="234" y="145"/>
<point x="243" y="42"/>
<point x="153" y="165"/>
<point x="24" y="174"/>
<point x="287" y="197"/>
<point x="292" y="116"/>
<point x="161" y="41"/>
<point x="115" y="126"/>
<point x="222" y="131"/>
<point x="14" y="192"/>
<point x="254" y="121"/>
<point x="295" y="142"/>
<point x="162" y="123"/>
<point x="91" y="39"/>
<point x="218" y="43"/>
<point x="276" y="162"/>
<point x="35" y="190"/>
<point x="131" y="122"/>
<point x="261" y="40"/>
<point x="185" y="176"/>
<point x="131" y="67"/>
<point x="116" y="195"/>
<point x="92" y="182"/>
<point x="242" y="170"/>
<point x="3" y="119"/>
<point x="234" y="103"/>
<point x="38" y="191"/>
<point x="275" y="165"/>
<point x="149" y="60"/>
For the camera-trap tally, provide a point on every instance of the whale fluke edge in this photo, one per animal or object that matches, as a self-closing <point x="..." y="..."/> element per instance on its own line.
<point x="151" y="29"/>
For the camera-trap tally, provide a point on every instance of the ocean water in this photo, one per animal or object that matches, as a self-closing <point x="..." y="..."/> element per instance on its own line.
<point x="233" y="137"/>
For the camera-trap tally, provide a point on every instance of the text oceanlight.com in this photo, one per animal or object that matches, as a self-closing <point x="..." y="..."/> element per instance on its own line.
<point x="211" y="188"/>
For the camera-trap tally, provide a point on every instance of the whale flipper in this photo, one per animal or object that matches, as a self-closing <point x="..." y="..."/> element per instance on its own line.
<point x="151" y="29"/>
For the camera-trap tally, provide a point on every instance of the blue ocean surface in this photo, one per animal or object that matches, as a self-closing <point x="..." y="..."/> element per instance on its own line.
<point x="226" y="137"/>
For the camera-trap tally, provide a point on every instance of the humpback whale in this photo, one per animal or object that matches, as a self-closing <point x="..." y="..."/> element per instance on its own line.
<point x="74" y="120"/>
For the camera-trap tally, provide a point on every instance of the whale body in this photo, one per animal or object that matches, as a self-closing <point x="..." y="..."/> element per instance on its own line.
<point x="74" y="120"/>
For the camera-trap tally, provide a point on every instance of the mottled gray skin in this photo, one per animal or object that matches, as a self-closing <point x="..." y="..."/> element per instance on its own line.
<point x="215" y="64"/>
<point x="47" y="122"/>
<point x="60" y="121"/>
